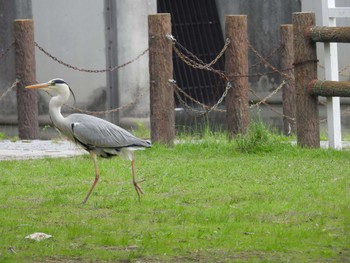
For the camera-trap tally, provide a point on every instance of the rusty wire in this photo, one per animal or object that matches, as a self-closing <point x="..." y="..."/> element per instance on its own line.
<point x="96" y="113"/>
<point x="14" y="84"/>
<point x="207" y="108"/>
<point x="110" y="69"/>
<point x="341" y="71"/>
<point x="84" y="70"/>
<point x="7" y="50"/>
<point x="193" y="61"/>
<point x="264" y="101"/>
<point x="268" y="96"/>
<point x="200" y="63"/>
<point x="122" y="107"/>
<point x="273" y="51"/>
<point x="264" y="61"/>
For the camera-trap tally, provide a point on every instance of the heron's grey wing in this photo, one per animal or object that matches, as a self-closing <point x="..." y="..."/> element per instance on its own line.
<point x="96" y="132"/>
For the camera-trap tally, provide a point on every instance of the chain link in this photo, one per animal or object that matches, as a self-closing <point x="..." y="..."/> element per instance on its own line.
<point x="268" y="96"/>
<point x="14" y="84"/>
<point x="207" y="108"/>
<point x="274" y="51"/>
<point x="110" y="69"/>
<point x="7" y="50"/>
<point x="188" y="108"/>
<point x="264" y="101"/>
<point x="195" y="62"/>
<point x="200" y="63"/>
<point x="97" y="113"/>
<point x="264" y="61"/>
<point x="134" y="102"/>
<point x="341" y="71"/>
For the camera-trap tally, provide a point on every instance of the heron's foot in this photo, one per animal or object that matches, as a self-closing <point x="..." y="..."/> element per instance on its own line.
<point x="138" y="188"/>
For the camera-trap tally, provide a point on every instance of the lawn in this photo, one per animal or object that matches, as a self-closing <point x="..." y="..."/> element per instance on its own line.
<point x="204" y="201"/>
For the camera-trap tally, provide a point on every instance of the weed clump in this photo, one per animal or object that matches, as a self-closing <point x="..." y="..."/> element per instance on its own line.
<point x="259" y="138"/>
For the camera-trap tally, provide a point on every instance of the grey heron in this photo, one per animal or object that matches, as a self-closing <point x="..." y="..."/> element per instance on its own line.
<point x="97" y="136"/>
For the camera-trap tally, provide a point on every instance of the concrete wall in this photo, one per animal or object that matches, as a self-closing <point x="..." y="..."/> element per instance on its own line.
<point x="132" y="37"/>
<point x="74" y="32"/>
<point x="77" y="35"/>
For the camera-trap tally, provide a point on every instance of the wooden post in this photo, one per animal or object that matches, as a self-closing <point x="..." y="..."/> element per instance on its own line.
<point x="236" y="65"/>
<point x="161" y="70"/>
<point x="27" y="102"/>
<point x="288" y="91"/>
<point x="305" y="70"/>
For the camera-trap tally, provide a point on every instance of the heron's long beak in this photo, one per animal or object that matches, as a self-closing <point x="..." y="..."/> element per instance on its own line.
<point x="38" y="86"/>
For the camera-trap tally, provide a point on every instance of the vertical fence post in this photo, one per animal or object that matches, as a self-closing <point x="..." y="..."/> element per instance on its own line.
<point x="27" y="102"/>
<point x="236" y="65"/>
<point x="288" y="91"/>
<point x="161" y="70"/>
<point x="305" y="70"/>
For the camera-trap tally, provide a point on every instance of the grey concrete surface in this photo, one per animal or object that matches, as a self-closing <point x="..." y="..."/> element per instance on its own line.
<point x="36" y="149"/>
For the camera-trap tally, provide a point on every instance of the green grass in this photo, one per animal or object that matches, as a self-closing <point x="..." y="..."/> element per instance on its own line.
<point x="205" y="201"/>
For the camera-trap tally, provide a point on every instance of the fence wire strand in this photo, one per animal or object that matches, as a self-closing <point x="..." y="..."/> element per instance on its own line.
<point x="110" y="69"/>
<point x="7" y="91"/>
<point x="7" y="50"/>
<point x="97" y="113"/>
<point x="193" y="61"/>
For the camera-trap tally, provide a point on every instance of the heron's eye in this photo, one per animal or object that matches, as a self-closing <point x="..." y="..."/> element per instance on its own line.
<point x="53" y="83"/>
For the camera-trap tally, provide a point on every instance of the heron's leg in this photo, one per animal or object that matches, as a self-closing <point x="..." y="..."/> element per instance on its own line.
<point x="97" y="176"/>
<point x="136" y="184"/>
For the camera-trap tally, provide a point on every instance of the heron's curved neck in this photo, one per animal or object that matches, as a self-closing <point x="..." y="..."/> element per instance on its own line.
<point x="55" y="108"/>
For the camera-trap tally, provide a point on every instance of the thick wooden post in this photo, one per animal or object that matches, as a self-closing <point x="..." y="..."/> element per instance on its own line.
<point x="305" y="70"/>
<point x="236" y="65"/>
<point x="161" y="70"/>
<point x="288" y="91"/>
<point x="27" y="102"/>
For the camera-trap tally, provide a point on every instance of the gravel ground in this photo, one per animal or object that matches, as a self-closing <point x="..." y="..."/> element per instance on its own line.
<point x="34" y="149"/>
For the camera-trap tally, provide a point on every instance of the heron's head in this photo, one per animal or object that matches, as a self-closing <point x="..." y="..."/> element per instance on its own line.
<point x="57" y="85"/>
